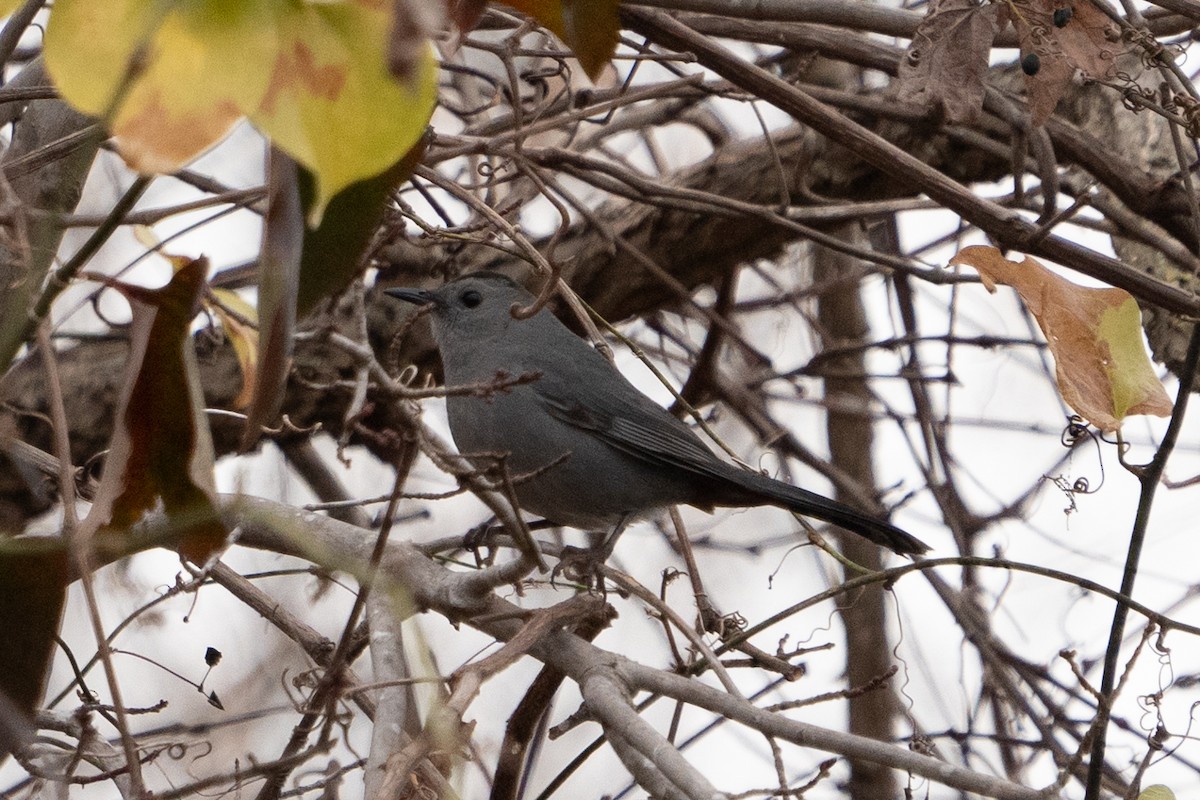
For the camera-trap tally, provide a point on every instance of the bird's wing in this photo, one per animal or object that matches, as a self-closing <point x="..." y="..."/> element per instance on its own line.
<point x="618" y="414"/>
<point x="624" y="418"/>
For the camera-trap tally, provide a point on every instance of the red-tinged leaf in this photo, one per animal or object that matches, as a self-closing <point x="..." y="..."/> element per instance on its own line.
<point x="283" y="243"/>
<point x="33" y="589"/>
<point x="333" y="251"/>
<point x="1095" y="336"/>
<point x="161" y="448"/>
<point x="331" y="102"/>
<point x="590" y="28"/>
<point x="945" y="65"/>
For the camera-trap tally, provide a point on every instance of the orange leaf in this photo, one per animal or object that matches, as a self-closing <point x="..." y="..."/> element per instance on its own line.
<point x="239" y="319"/>
<point x="589" y="27"/>
<point x="1095" y="335"/>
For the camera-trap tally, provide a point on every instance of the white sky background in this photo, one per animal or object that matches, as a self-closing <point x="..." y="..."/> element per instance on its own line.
<point x="1005" y="389"/>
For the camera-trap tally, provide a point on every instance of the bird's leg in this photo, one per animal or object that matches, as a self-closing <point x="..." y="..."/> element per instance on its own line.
<point x="584" y="564"/>
<point x="606" y="545"/>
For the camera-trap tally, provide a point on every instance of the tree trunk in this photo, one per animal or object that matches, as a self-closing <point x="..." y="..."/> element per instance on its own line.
<point x="843" y="323"/>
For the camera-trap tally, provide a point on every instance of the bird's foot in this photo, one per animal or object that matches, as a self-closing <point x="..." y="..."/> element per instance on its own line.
<point x="480" y="537"/>
<point x="582" y="565"/>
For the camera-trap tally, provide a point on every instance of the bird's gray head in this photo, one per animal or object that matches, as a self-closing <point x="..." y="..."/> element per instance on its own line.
<point x="472" y="309"/>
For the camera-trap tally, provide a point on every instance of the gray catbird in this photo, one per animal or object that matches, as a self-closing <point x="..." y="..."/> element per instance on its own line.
<point x="600" y="452"/>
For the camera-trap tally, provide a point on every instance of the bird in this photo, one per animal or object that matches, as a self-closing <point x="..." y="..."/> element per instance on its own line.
<point x="590" y="450"/>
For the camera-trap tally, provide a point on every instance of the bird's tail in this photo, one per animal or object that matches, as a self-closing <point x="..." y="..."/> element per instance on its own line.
<point x="810" y="504"/>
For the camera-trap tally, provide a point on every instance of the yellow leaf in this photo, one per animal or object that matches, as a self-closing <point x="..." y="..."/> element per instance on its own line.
<point x="1156" y="792"/>
<point x="170" y="85"/>
<point x="331" y="103"/>
<point x="171" y="78"/>
<point x="239" y="319"/>
<point x="1095" y="335"/>
<point x="202" y="69"/>
<point x="86" y="67"/>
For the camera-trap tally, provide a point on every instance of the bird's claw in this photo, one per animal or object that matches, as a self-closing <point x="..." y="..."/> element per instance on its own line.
<point x="478" y="538"/>
<point x="583" y="565"/>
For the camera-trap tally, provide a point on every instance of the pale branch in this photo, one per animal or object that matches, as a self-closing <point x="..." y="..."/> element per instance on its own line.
<point x="276" y="527"/>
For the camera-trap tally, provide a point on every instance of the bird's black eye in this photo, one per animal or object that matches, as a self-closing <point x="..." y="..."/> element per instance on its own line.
<point x="471" y="298"/>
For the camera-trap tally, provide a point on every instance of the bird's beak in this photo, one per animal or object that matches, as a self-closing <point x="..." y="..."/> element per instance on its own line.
<point x="420" y="297"/>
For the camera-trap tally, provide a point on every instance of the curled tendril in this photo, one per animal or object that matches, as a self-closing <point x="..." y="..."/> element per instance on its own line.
<point x="1151" y="55"/>
<point x="1076" y="429"/>
<point x="1061" y="482"/>
<point x="486" y="169"/>
<point x="1131" y="94"/>
<point x="735" y="621"/>
<point x="177" y="751"/>
<point x="1040" y="35"/>
<point x="1187" y="107"/>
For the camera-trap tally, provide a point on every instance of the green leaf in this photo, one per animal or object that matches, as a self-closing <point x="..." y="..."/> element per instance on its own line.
<point x="1135" y="387"/>
<point x="1156" y="792"/>
<point x="52" y="188"/>
<point x="33" y="589"/>
<point x="333" y="251"/>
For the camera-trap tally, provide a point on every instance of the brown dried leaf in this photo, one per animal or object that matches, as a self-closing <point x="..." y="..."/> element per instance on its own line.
<point x="945" y="65"/>
<point x="1087" y="41"/>
<point x="1090" y="40"/>
<point x="161" y="448"/>
<point x="1095" y="336"/>
<point x="591" y="28"/>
